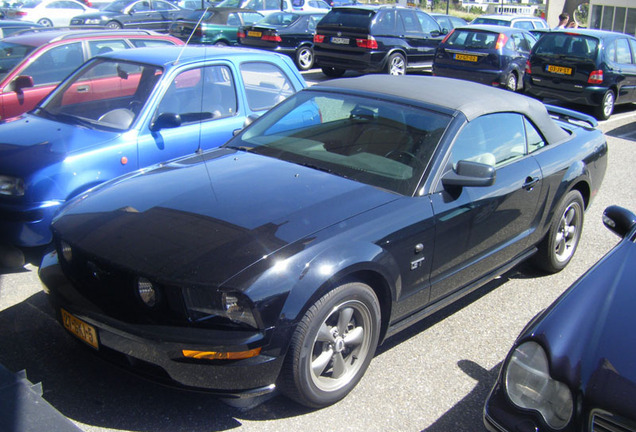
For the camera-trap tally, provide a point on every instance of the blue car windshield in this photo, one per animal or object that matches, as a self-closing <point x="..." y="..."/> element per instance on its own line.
<point x="10" y="55"/>
<point x="377" y="142"/>
<point x="104" y="93"/>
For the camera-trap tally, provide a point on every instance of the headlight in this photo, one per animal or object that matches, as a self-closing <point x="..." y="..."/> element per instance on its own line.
<point x="12" y="186"/>
<point x="206" y="306"/>
<point x="147" y="292"/>
<point x="529" y="386"/>
<point x="67" y="251"/>
<point x="93" y="21"/>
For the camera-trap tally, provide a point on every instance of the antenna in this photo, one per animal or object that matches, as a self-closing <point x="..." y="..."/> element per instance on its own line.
<point x="191" y="34"/>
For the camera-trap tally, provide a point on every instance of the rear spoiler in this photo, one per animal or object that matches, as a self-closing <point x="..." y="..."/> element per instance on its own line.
<point x="571" y="116"/>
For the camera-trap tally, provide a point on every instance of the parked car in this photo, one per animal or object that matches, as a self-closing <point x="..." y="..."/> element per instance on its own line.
<point x="491" y="55"/>
<point x="370" y="38"/>
<point x="571" y="367"/>
<point x="122" y="111"/>
<point x="525" y="22"/>
<point x="264" y="7"/>
<point x="590" y="67"/>
<point x="48" y="13"/>
<point x="448" y="22"/>
<point x="8" y="27"/>
<point x="32" y="64"/>
<point x="380" y="200"/>
<point x="311" y="6"/>
<point x="142" y="14"/>
<point x="218" y="26"/>
<point x="290" y="33"/>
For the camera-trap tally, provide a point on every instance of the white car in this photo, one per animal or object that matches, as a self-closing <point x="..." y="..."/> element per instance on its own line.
<point x="49" y="13"/>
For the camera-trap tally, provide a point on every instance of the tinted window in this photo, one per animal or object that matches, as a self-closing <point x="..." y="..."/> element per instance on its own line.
<point x="55" y="64"/>
<point x="409" y="21"/>
<point x="11" y="55"/>
<point x="280" y="18"/>
<point x="97" y="47"/>
<point x="427" y="23"/>
<point x="491" y="21"/>
<point x="471" y="39"/>
<point x="151" y="42"/>
<point x="526" y="25"/>
<point x="371" y="141"/>
<point x="535" y="140"/>
<point x="494" y="139"/>
<point x="558" y="43"/>
<point x="265" y="85"/>
<point x="623" y="54"/>
<point x="352" y="18"/>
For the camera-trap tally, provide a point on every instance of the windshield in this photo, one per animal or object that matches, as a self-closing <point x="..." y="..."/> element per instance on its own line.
<point x="491" y="21"/>
<point x="280" y="19"/>
<point x="104" y="93"/>
<point x="371" y="141"/>
<point x="567" y="44"/>
<point x="230" y="3"/>
<point x="10" y="55"/>
<point x="471" y="39"/>
<point x="117" y="5"/>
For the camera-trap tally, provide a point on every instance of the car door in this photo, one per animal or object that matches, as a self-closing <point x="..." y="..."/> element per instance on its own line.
<point x="141" y="16"/>
<point x="625" y="66"/>
<point x="478" y="229"/>
<point x="206" y="101"/>
<point x="414" y="38"/>
<point x="163" y="14"/>
<point x="51" y="66"/>
<point x="60" y="12"/>
<point x="519" y="47"/>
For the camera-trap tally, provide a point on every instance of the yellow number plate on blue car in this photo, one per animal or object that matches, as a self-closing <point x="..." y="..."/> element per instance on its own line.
<point x="465" y="57"/>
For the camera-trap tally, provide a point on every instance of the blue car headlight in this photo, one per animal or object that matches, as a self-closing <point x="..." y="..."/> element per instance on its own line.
<point x="12" y="186"/>
<point x="529" y="386"/>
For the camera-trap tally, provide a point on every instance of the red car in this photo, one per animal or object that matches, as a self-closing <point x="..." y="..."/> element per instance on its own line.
<point x="32" y="64"/>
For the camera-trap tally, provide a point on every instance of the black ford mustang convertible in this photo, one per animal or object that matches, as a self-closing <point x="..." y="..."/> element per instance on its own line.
<point x="346" y="213"/>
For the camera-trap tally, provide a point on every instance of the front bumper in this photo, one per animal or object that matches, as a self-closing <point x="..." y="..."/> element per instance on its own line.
<point x="27" y="226"/>
<point x="155" y="351"/>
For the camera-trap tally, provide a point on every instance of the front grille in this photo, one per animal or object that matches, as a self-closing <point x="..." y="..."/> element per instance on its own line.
<point x="606" y="422"/>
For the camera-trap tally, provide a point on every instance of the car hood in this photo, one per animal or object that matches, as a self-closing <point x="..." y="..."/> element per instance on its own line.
<point x="203" y="219"/>
<point x="29" y="143"/>
<point x="590" y="333"/>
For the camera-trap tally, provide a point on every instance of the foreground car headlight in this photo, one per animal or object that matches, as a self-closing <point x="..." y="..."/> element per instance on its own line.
<point x="147" y="292"/>
<point x="206" y="306"/>
<point x="529" y="386"/>
<point x="12" y="186"/>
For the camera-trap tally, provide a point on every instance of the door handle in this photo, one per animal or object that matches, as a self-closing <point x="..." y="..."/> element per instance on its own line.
<point x="530" y="183"/>
<point x="83" y="88"/>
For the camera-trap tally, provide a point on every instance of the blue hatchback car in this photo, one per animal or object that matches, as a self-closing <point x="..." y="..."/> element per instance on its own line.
<point x="488" y="54"/>
<point x="123" y="111"/>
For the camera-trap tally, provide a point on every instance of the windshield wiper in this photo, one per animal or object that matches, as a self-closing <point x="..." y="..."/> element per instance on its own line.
<point x="68" y="118"/>
<point x="314" y="166"/>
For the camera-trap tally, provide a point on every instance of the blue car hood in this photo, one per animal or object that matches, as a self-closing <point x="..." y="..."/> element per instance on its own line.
<point x="202" y="222"/>
<point x="29" y="143"/>
<point x="589" y="333"/>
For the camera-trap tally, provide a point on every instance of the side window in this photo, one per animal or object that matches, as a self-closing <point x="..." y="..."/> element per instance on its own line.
<point x="151" y="42"/>
<point x="200" y="94"/>
<point x="428" y="24"/>
<point x="272" y="4"/>
<point x="233" y="20"/>
<point x="103" y="46"/>
<point x="384" y="23"/>
<point x="265" y="85"/>
<point x="142" y="6"/>
<point x="623" y="54"/>
<point x="534" y="138"/>
<point x="162" y="6"/>
<point x="632" y="44"/>
<point x="493" y="139"/>
<point x="55" y="64"/>
<point x="526" y="25"/>
<point x="520" y="42"/>
<point x="410" y="21"/>
<point x="530" y="41"/>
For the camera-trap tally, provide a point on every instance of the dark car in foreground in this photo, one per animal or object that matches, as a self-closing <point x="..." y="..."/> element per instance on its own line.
<point x="290" y="33"/>
<point x="143" y="14"/>
<point x="372" y="38"/>
<point x="123" y="111"/>
<point x="214" y="26"/>
<point x="572" y="367"/>
<point x="491" y="55"/>
<point x="346" y="213"/>
<point x="589" y="67"/>
<point x="33" y="63"/>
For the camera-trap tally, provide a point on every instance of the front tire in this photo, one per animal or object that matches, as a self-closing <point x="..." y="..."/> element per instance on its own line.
<point x="45" y="22"/>
<point x="605" y="110"/>
<point x="333" y="72"/>
<point x="304" y="58"/>
<point x="558" y="247"/>
<point x="332" y="346"/>
<point x="396" y="64"/>
<point x="113" y="25"/>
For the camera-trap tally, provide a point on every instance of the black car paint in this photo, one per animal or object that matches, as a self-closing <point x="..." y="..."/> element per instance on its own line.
<point x="586" y="334"/>
<point x="152" y="19"/>
<point x="327" y="230"/>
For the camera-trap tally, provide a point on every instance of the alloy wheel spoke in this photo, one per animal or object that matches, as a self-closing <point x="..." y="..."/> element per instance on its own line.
<point x="320" y="363"/>
<point x="343" y="320"/>
<point x="339" y="366"/>
<point x="354" y="337"/>
<point x="325" y="334"/>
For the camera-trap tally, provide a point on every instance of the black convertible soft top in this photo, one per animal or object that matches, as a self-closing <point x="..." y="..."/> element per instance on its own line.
<point x="471" y="99"/>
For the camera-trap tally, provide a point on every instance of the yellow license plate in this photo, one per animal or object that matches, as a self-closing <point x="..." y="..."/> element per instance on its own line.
<point x="80" y="329"/>
<point x="465" y="57"/>
<point x="561" y="70"/>
<point x="254" y="34"/>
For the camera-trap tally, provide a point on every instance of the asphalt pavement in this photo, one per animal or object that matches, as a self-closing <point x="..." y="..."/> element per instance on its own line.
<point x="432" y="377"/>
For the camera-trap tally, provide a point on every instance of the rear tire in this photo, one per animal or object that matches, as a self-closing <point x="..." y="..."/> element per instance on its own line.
<point x="605" y="110"/>
<point x="304" y="58"/>
<point x="558" y="247"/>
<point x="45" y="22"/>
<point x="333" y="72"/>
<point x="512" y="82"/>
<point x="396" y="64"/>
<point x="113" y="25"/>
<point x="332" y="346"/>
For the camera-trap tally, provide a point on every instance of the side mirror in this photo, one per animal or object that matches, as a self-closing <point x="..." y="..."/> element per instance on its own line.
<point x="470" y="174"/>
<point x="619" y="220"/>
<point x="166" y="120"/>
<point x="21" y="82"/>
